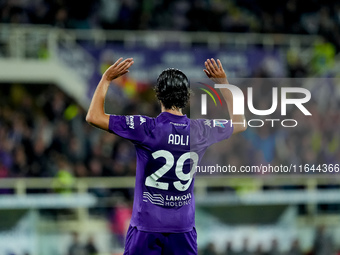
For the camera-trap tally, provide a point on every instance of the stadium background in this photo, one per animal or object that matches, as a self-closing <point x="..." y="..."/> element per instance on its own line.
<point x="62" y="180"/>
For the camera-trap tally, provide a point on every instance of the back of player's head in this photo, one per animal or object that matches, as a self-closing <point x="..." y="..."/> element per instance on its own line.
<point x="172" y="88"/>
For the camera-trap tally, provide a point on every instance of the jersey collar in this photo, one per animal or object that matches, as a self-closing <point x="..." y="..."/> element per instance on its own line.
<point x="168" y="115"/>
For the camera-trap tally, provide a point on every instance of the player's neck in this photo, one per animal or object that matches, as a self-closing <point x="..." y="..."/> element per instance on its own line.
<point x="173" y="111"/>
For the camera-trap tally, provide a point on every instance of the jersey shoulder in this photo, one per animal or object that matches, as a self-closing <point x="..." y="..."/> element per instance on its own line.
<point x="141" y="122"/>
<point x="199" y="125"/>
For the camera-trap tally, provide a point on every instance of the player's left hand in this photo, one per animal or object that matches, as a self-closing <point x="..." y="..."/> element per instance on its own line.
<point x="215" y="71"/>
<point x="118" y="69"/>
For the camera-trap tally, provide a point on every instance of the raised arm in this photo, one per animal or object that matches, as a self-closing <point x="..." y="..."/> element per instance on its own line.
<point x="216" y="73"/>
<point x="96" y="115"/>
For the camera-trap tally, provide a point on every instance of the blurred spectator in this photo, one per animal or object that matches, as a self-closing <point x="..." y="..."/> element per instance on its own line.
<point x="61" y="137"/>
<point x="74" y="150"/>
<point x="109" y="13"/>
<point x="90" y="247"/>
<point x="209" y="250"/>
<point x="259" y="250"/>
<point x="76" y="248"/>
<point x="245" y="247"/>
<point x="229" y="249"/>
<point x="323" y="242"/>
<point x="80" y="15"/>
<point x="323" y="57"/>
<point x="20" y="164"/>
<point x="295" y="248"/>
<point x="64" y="179"/>
<point x="95" y="167"/>
<point x="80" y="170"/>
<point x="274" y="249"/>
<point x="296" y="69"/>
<point x="120" y="220"/>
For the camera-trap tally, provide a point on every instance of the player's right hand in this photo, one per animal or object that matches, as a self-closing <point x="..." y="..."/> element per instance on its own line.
<point x="215" y="71"/>
<point x="118" y="69"/>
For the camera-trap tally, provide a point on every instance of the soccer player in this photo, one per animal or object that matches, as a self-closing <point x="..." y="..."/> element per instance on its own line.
<point x="168" y="149"/>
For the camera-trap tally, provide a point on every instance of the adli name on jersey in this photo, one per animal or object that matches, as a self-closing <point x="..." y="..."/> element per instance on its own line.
<point x="178" y="139"/>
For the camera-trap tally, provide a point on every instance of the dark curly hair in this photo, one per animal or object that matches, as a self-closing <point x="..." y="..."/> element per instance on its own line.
<point x="172" y="88"/>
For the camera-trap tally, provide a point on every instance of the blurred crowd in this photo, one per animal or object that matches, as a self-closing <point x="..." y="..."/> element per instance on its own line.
<point x="323" y="245"/>
<point x="314" y="140"/>
<point x="78" y="248"/>
<point x="210" y="249"/>
<point x="43" y="133"/>
<point x="293" y="16"/>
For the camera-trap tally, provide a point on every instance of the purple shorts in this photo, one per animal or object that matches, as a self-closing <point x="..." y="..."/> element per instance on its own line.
<point x="154" y="243"/>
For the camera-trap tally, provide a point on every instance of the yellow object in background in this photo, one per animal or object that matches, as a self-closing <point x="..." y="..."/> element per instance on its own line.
<point x="71" y="112"/>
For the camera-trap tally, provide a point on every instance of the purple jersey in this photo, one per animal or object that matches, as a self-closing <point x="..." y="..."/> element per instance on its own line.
<point x="168" y="149"/>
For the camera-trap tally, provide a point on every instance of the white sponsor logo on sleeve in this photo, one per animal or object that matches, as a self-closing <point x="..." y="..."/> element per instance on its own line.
<point x="142" y="120"/>
<point x="207" y="123"/>
<point x="129" y="122"/>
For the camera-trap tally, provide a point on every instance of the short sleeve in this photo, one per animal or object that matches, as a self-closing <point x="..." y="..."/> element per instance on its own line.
<point x="131" y="127"/>
<point x="212" y="131"/>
